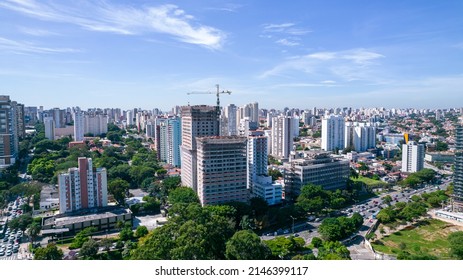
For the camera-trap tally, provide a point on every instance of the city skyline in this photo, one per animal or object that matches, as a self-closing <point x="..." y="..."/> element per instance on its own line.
<point x="118" y="53"/>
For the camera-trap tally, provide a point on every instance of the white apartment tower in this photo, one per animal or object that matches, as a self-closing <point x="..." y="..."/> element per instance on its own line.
<point x="282" y="137"/>
<point x="257" y="156"/>
<point x="332" y="133"/>
<point x="78" y="117"/>
<point x="222" y="169"/>
<point x="197" y="121"/>
<point x="82" y="187"/>
<point x="412" y="157"/>
<point x="360" y="136"/>
<point x="49" y="125"/>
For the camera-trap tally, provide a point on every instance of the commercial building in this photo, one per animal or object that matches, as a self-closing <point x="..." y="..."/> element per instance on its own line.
<point x="264" y="187"/>
<point x="102" y="219"/>
<point x="458" y="173"/>
<point x="222" y="169"/>
<point x="412" y="157"/>
<point x="82" y="187"/>
<point x="332" y="133"/>
<point x="314" y="167"/>
<point x="197" y="121"/>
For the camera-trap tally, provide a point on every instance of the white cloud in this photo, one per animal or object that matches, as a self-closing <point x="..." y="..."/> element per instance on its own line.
<point x="286" y="42"/>
<point x="103" y="17"/>
<point x="287" y="28"/>
<point x="349" y="65"/>
<point x="37" y="32"/>
<point x="28" y="47"/>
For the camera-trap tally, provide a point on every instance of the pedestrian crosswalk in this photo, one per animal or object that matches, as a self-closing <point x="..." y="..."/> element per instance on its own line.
<point x="6" y="258"/>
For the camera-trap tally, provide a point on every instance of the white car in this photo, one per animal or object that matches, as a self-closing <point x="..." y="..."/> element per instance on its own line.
<point x="9" y="253"/>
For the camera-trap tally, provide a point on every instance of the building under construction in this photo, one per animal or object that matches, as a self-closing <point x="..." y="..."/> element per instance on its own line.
<point x="222" y="169"/>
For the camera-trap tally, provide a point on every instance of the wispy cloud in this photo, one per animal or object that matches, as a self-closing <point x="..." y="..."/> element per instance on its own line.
<point x="458" y="45"/>
<point x="28" y="47"/>
<point x="286" y="42"/>
<point x="228" y="7"/>
<point x="287" y="28"/>
<point x="102" y="16"/>
<point x="37" y="32"/>
<point x="349" y="65"/>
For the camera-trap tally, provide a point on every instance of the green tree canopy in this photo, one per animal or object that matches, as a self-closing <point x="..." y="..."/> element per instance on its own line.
<point x="89" y="249"/>
<point x="183" y="195"/>
<point x="50" y="252"/>
<point x="456" y="244"/>
<point x="246" y="245"/>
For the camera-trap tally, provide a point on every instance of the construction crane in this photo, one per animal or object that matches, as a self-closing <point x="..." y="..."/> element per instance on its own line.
<point x="218" y="98"/>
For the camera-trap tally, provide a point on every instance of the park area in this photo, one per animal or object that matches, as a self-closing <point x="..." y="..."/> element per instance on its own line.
<point x="370" y="182"/>
<point x="428" y="239"/>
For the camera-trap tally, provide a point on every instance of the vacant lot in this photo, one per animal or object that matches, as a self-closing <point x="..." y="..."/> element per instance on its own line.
<point x="370" y="182"/>
<point x="428" y="237"/>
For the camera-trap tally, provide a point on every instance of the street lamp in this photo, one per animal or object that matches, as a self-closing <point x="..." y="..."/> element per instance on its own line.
<point x="293" y="223"/>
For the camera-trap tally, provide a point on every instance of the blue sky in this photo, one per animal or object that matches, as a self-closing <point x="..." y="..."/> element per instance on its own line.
<point x="300" y="54"/>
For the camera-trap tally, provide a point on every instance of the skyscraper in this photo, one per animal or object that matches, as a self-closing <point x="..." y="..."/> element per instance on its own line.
<point x="332" y="133"/>
<point x="282" y="139"/>
<point x="257" y="156"/>
<point x="412" y="157"/>
<point x="197" y="121"/>
<point x="82" y="187"/>
<point x="458" y="173"/>
<point x="170" y="140"/>
<point x="78" y="117"/>
<point x="8" y="132"/>
<point x="222" y="169"/>
<point x="49" y="124"/>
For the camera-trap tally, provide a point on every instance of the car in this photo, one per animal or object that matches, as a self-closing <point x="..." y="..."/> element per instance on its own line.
<point x="296" y="235"/>
<point x="9" y="246"/>
<point x="2" y="252"/>
<point x="16" y="245"/>
<point x="286" y="231"/>
<point x="15" y="250"/>
<point x="9" y="252"/>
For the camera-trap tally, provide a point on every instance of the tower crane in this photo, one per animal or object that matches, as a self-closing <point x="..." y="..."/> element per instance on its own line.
<point x="217" y="93"/>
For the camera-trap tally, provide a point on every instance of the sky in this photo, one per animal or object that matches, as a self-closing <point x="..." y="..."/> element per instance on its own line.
<point x="297" y="54"/>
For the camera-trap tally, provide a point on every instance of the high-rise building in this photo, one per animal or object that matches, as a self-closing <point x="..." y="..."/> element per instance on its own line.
<point x="95" y="124"/>
<point x="230" y="123"/>
<point x="282" y="139"/>
<point x="49" y="124"/>
<point x="332" y="133"/>
<point x="78" y="117"/>
<point x="197" y="121"/>
<point x="360" y="136"/>
<point x="82" y="187"/>
<point x="8" y="132"/>
<point x="412" y="157"/>
<point x="257" y="156"/>
<point x="169" y="141"/>
<point x="458" y="173"/>
<point x="222" y="169"/>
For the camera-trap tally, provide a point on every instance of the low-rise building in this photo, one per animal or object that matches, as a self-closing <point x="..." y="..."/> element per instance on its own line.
<point x="264" y="188"/>
<point x="314" y="167"/>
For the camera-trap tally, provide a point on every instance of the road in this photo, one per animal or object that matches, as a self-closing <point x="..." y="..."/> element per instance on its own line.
<point x="366" y="208"/>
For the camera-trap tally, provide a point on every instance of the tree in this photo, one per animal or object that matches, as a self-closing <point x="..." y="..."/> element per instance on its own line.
<point x="387" y="199"/>
<point x="41" y="169"/>
<point x="316" y="242"/>
<point x="246" y="245"/>
<point x="82" y="237"/>
<point x="275" y="173"/>
<point x="281" y="246"/>
<point x="259" y="206"/>
<point x="33" y="230"/>
<point x="51" y="252"/>
<point x="118" y="188"/>
<point x="126" y="233"/>
<point x="141" y="231"/>
<point x="456" y="244"/>
<point x="183" y="195"/>
<point x="89" y="249"/>
<point x="106" y="244"/>
<point x="333" y="250"/>
<point x="312" y="198"/>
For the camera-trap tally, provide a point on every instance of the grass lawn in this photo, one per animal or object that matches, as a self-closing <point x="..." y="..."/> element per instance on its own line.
<point x="430" y="237"/>
<point x="370" y="182"/>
